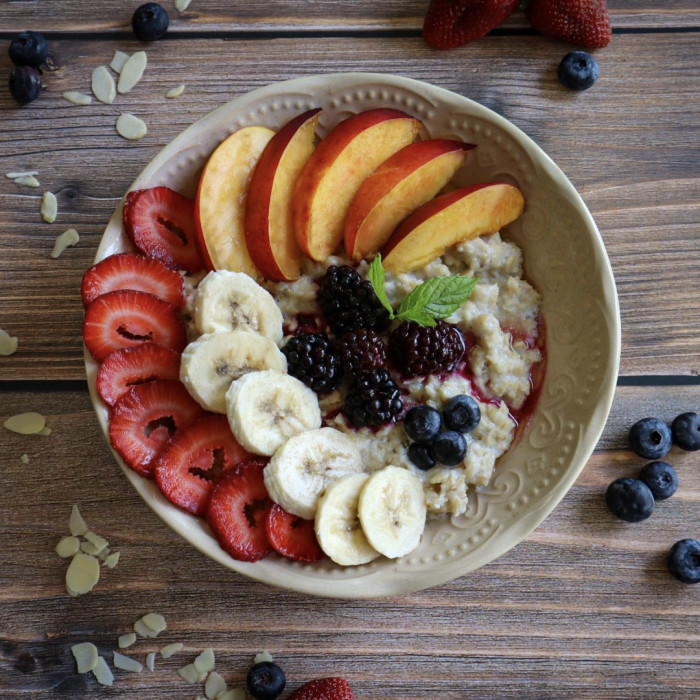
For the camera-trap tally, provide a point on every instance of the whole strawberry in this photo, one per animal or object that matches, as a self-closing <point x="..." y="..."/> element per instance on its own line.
<point x="324" y="689"/>
<point x="581" y="22"/>
<point x="452" y="23"/>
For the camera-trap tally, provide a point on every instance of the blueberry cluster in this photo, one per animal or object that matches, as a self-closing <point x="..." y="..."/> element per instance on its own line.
<point x="439" y="439"/>
<point x="633" y="500"/>
<point x="28" y="52"/>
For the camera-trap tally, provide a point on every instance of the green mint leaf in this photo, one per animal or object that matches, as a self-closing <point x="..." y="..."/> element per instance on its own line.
<point x="376" y="278"/>
<point x="436" y="298"/>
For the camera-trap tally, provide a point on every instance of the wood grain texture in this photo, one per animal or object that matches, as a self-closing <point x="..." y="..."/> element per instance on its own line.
<point x="583" y="608"/>
<point x="630" y="145"/>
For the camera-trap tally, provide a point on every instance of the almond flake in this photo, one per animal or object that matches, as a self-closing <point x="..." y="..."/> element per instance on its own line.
<point x="103" y="86"/>
<point x="182" y="5"/>
<point x="102" y="672"/>
<point x="29" y="423"/>
<point x="25" y="173"/>
<point x="86" y="656"/>
<point x="45" y="431"/>
<point x="126" y="663"/>
<point x="83" y="574"/>
<point x="126" y="640"/>
<point x="76" y="524"/>
<point x="94" y="545"/>
<point x="67" y="547"/>
<point x="235" y="694"/>
<point x="49" y="207"/>
<point x="205" y="661"/>
<point x="118" y="61"/>
<point x="214" y="686"/>
<point x="155" y="622"/>
<point x="77" y="98"/>
<point x="132" y="71"/>
<point x="262" y="656"/>
<point x="28" y="180"/>
<point x="8" y="343"/>
<point x="131" y="127"/>
<point x="24" y="458"/>
<point x="175" y="92"/>
<point x="191" y="674"/>
<point x="66" y="239"/>
<point x="169" y="649"/>
<point x="151" y="660"/>
<point x="111" y="560"/>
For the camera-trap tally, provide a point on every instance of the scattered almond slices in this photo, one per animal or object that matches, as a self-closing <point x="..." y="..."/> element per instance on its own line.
<point x="103" y="86"/>
<point x="77" y="526"/>
<point x="150" y="625"/>
<point x="49" y="207"/>
<point x="126" y="640"/>
<point x="132" y="72"/>
<point x="118" y="61"/>
<point x="77" y="98"/>
<point x="28" y="180"/>
<point x="182" y="5"/>
<point x="86" y="656"/>
<point x="67" y="547"/>
<point x="169" y="649"/>
<point x="175" y="92"/>
<point x="214" y="686"/>
<point x="24" y="458"/>
<point x="131" y="127"/>
<point x="26" y="173"/>
<point x="8" y="343"/>
<point x="82" y="574"/>
<point x="102" y="672"/>
<point x="29" y="423"/>
<point x="70" y="237"/>
<point x="126" y="663"/>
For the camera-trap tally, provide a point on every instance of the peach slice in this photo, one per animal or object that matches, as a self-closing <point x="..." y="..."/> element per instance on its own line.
<point x="220" y="202"/>
<point x="269" y="233"/>
<point x="402" y="183"/>
<point x="339" y="165"/>
<point x="450" y="219"/>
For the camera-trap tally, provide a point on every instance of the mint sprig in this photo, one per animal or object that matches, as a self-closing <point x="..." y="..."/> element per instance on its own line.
<point x="430" y="301"/>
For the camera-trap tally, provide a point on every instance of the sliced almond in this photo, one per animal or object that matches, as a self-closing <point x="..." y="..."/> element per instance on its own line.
<point x="215" y="685"/>
<point x="132" y="71"/>
<point x="77" y="526"/>
<point x="28" y="180"/>
<point x="24" y="458"/>
<point x="82" y="574"/>
<point x="45" y="431"/>
<point x="204" y="663"/>
<point x="67" y="238"/>
<point x="169" y="649"/>
<point x="191" y="674"/>
<point x="67" y="547"/>
<point x="131" y="127"/>
<point x="118" y="61"/>
<point x="111" y="560"/>
<point x="262" y="656"/>
<point x="151" y="660"/>
<point x="155" y="622"/>
<point x="29" y="423"/>
<point x="126" y="640"/>
<point x="235" y="694"/>
<point x="23" y="173"/>
<point x="103" y="85"/>
<point x="8" y="343"/>
<point x="77" y="98"/>
<point x="86" y="656"/>
<point x="49" y="207"/>
<point x="126" y="663"/>
<point x="97" y="544"/>
<point x="175" y="92"/>
<point x="102" y="672"/>
<point x="182" y="5"/>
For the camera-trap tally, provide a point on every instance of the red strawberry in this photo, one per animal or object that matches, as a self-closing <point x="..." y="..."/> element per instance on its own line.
<point x="195" y="459"/>
<point x="238" y="508"/>
<point x="160" y="222"/>
<point x="582" y="22"/>
<point x="144" y="419"/>
<point x="139" y="364"/>
<point x="292" y="536"/>
<point x="132" y="271"/>
<point x="125" y="318"/>
<point x="324" y="689"/>
<point x="452" y="23"/>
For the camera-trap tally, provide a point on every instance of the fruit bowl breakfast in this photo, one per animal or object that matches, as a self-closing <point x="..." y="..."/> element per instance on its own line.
<point x="352" y="335"/>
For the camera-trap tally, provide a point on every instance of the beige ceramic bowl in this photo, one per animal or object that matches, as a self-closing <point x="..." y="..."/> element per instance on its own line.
<point x="564" y="258"/>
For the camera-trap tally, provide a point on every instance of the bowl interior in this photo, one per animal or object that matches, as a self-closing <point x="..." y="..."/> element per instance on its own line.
<point x="565" y="260"/>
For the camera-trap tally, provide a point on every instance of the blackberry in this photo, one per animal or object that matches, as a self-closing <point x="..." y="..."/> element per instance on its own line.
<point x="373" y="399"/>
<point x="349" y="302"/>
<point x="312" y="358"/>
<point x="361" y="350"/>
<point x="417" y="351"/>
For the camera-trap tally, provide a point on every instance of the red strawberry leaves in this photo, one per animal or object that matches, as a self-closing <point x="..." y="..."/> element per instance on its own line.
<point x="324" y="689"/>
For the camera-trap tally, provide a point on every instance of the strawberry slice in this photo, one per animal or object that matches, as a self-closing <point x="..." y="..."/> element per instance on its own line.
<point x="195" y="460"/>
<point x="160" y="222"/>
<point x="238" y="508"/>
<point x="324" y="689"/>
<point x="292" y="536"/>
<point x="126" y="318"/>
<point x="452" y="23"/>
<point x="133" y="271"/>
<point x="139" y="364"/>
<point x="581" y="22"/>
<point x="145" y="418"/>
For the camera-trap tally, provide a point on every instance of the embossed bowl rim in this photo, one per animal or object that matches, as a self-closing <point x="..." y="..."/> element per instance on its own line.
<point x="539" y="470"/>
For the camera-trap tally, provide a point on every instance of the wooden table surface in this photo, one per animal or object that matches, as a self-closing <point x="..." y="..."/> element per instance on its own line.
<point x="584" y="606"/>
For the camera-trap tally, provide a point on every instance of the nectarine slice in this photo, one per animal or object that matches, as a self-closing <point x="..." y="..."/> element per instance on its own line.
<point x="334" y="172"/>
<point x="449" y="219"/>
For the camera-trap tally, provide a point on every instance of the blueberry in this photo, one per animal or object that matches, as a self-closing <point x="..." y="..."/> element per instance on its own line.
<point x="449" y="448"/>
<point x="25" y="84"/>
<point x="686" y="431"/>
<point x="422" y="423"/>
<point x="630" y="500"/>
<point x="150" y="22"/>
<point x="683" y="560"/>
<point x="578" y="70"/>
<point x="28" y="49"/>
<point x="661" y="478"/>
<point x="461" y="413"/>
<point x="421" y="455"/>
<point x="650" y="438"/>
<point x="265" y="681"/>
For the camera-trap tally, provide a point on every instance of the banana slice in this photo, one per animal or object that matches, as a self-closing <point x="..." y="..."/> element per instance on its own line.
<point x="305" y="465"/>
<point x="210" y="363"/>
<point x="227" y="301"/>
<point x="268" y="407"/>
<point x="392" y="511"/>
<point x="338" y="528"/>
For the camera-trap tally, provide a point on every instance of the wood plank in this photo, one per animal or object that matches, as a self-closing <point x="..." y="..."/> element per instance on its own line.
<point x="630" y="145"/>
<point x="583" y="608"/>
<point x="289" y="15"/>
